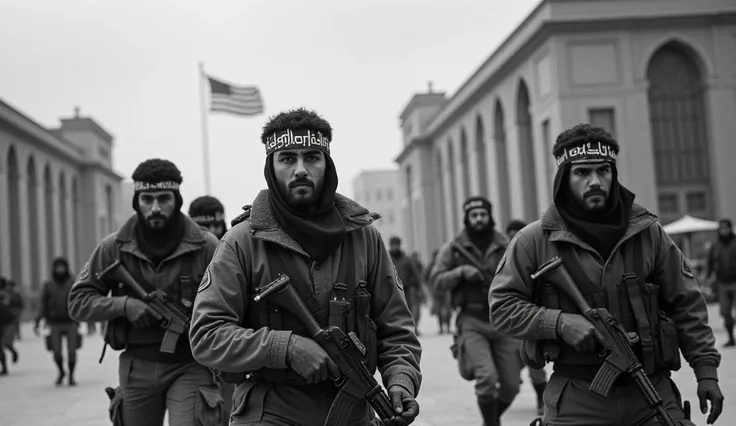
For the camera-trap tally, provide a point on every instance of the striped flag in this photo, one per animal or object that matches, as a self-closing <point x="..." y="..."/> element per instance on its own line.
<point x="239" y="100"/>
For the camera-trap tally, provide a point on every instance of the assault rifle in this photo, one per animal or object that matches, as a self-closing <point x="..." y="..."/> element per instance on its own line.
<point x="346" y="351"/>
<point x="169" y="316"/>
<point x="619" y="358"/>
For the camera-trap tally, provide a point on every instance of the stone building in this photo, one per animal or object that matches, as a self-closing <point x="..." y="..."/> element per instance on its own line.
<point x="661" y="76"/>
<point x="379" y="191"/>
<point x="59" y="194"/>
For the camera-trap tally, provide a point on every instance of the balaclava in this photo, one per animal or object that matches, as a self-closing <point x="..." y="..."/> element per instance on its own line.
<point x="726" y="239"/>
<point x="156" y="175"/>
<point x="60" y="278"/>
<point x="601" y="230"/>
<point x="207" y="211"/>
<point x="481" y="239"/>
<point x="319" y="232"/>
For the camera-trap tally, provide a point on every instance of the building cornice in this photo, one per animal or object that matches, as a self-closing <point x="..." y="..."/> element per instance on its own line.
<point x="414" y="143"/>
<point x="553" y="17"/>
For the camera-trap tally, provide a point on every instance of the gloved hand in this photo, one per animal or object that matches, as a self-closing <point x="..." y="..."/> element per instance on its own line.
<point x="405" y="406"/>
<point x="470" y="274"/>
<point x="139" y="314"/>
<point x="708" y="390"/>
<point x="309" y="360"/>
<point x="578" y="332"/>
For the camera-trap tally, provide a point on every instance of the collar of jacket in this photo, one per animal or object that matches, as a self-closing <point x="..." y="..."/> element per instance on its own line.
<point x="191" y="241"/>
<point x="264" y="225"/>
<point x="639" y="219"/>
<point x="500" y="242"/>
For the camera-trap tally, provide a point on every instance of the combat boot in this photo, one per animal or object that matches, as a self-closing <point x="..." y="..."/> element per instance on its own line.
<point x="72" y="364"/>
<point x="489" y="409"/>
<point x="60" y="366"/>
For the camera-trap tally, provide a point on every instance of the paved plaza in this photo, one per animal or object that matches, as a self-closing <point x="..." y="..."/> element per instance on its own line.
<point x="28" y="395"/>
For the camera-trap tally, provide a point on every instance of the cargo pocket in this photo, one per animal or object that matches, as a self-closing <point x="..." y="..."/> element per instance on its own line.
<point x="209" y="407"/>
<point x="248" y="400"/>
<point x="668" y="345"/>
<point x="553" y="396"/>
<point x="367" y="330"/>
<point x="370" y="340"/>
<point x="467" y="370"/>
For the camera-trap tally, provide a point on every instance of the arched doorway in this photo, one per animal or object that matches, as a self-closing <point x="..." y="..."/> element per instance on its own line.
<point x="480" y="153"/>
<point x="16" y="260"/>
<point x="526" y="153"/>
<point x="679" y="133"/>
<point x="33" y="223"/>
<point x="49" y="209"/>
<point x="502" y="168"/>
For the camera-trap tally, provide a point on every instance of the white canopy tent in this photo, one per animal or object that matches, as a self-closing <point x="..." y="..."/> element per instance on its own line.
<point x="689" y="225"/>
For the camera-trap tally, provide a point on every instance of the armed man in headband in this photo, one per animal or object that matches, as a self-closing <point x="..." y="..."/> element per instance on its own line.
<point x="464" y="267"/>
<point x="166" y="254"/>
<point x="617" y="258"/>
<point x="334" y="257"/>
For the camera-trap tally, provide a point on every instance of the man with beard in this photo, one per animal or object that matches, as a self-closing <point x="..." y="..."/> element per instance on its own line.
<point x="326" y="244"/>
<point x="208" y="212"/>
<point x="493" y="358"/>
<point x="409" y="275"/>
<point x="55" y="312"/>
<point x="621" y="260"/>
<point x="162" y="249"/>
<point x="722" y="263"/>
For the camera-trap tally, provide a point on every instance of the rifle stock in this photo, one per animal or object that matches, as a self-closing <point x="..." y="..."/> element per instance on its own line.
<point x="346" y="351"/>
<point x="619" y="357"/>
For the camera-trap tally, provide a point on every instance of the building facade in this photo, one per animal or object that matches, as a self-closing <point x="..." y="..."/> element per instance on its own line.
<point x="59" y="194"/>
<point x="661" y="79"/>
<point x="380" y="191"/>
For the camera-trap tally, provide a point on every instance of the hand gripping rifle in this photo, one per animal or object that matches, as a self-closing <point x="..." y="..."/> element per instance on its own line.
<point x="619" y="358"/>
<point x="346" y="351"/>
<point x="170" y="317"/>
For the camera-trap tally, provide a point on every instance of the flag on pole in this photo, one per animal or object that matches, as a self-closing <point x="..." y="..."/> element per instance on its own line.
<point x="239" y="100"/>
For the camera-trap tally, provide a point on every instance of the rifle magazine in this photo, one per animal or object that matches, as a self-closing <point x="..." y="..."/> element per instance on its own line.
<point x="604" y="379"/>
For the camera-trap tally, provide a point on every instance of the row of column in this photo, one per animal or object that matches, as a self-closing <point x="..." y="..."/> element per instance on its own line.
<point x="38" y="223"/>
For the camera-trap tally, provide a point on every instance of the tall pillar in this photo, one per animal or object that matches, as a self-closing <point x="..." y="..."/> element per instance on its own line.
<point x="25" y="232"/>
<point x="720" y="102"/>
<point x="515" y="185"/>
<point x="44" y="263"/>
<point x="56" y="215"/>
<point x="69" y="250"/>
<point x="4" y="224"/>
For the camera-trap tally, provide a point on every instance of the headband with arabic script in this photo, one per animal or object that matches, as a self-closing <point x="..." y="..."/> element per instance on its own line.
<point x="296" y="139"/>
<point x="588" y="149"/>
<point x="208" y="218"/>
<point x="166" y="185"/>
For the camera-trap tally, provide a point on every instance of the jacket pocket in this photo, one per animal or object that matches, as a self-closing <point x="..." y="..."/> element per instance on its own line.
<point x="553" y="396"/>
<point x="248" y="401"/>
<point x="668" y="344"/>
<point x="209" y="407"/>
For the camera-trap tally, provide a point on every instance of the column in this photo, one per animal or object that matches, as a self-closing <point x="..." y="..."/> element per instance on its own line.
<point x="515" y="185"/>
<point x="58" y="245"/>
<point x="720" y="102"/>
<point x="69" y="250"/>
<point x="44" y="263"/>
<point x="4" y="224"/>
<point x="25" y="233"/>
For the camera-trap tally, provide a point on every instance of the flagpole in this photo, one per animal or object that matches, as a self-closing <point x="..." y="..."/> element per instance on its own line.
<point x="205" y="138"/>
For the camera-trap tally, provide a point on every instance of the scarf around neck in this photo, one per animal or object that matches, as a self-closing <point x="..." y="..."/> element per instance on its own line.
<point x="603" y="230"/>
<point x="319" y="233"/>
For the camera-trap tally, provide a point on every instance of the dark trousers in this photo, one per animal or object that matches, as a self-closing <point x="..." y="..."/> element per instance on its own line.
<point x="70" y="331"/>
<point x="568" y="401"/>
<point x="150" y="388"/>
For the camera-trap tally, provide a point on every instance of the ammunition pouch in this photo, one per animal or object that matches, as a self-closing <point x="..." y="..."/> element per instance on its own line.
<point x="116" y="333"/>
<point x="209" y="407"/>
<point x="466" y="369"/>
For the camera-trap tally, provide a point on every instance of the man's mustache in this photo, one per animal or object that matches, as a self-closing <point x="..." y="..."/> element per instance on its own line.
<point x="156" y="216"/>
<point x="301" y="182"/>
<point x="594" y="192"/>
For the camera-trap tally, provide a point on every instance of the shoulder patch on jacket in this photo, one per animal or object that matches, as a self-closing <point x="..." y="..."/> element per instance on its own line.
<point x="397" y="279"/>
<point x="205" y="281"/>
<point x="686" y="269"/>
<point x="84" y="273"/>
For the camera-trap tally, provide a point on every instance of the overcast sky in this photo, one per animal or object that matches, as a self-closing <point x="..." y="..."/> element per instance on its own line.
<point x="132" y="65"/>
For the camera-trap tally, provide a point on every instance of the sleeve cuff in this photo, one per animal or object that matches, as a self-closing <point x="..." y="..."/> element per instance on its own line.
<point x="403" y="380"/>
<point x="705" y="371"/>
<point x="549" y="324"/>
<point x="119" y="305"/>
<point x="277" y="349"/>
